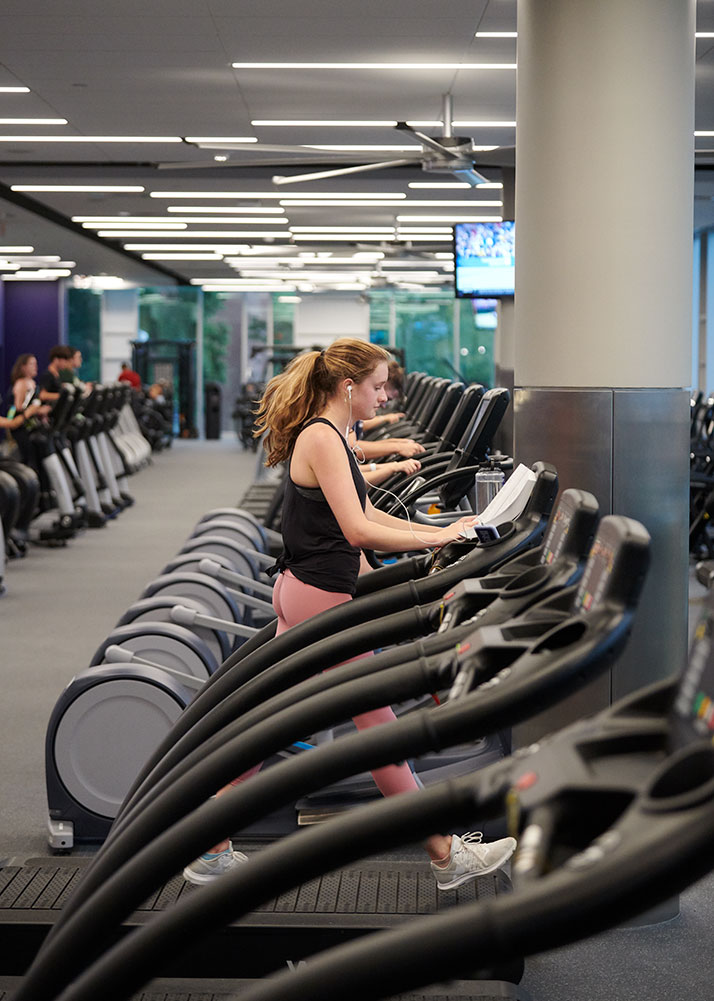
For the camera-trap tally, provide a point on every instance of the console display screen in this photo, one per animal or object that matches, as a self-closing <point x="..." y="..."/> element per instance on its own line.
<point x="557" y="534"/>
<point x="695" y="697"/>
<point x="595" y="577"/>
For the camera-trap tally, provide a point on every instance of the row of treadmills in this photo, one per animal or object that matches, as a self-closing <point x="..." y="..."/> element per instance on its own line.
<point x="614" y="814"/>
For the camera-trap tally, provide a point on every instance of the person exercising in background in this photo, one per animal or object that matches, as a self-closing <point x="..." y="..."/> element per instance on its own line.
<point x="327" y="520"/>
<point x="394" y="391"/>
<point x="70" y="373"/>
<point x="128" y="374"/>
<point x="50" y="382"/>
<point x="26" y="408"/>
<point x="407" y="448"/>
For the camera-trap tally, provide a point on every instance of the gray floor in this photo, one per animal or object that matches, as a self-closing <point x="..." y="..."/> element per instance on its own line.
<point x="62" y="603"/>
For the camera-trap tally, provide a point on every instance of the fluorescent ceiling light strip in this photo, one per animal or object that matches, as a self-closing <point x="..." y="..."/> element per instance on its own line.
<point x="108" y="188"/>
<point x="200" y="234"/>
<point x="303" y="260"/>
<point x="14" y="90"/>
<point x="91" y="139"/>
<point x="273" y="194"/>
<point x="323" y="123"/>
<point x="177" y="224"/>
<point x="407" y="230"/>
<point x="418" y="203"/>
<point x="453" y="184"/>
<point x="134" y="225"/>
<point x="229" y="209"/>
<point x="16" y="250"/>
<point x="439" y="184"/>
<point x="182" y="257"/>
<point x="444" y="257"/>
<point x="216" y="248"/>
<point x="374" y="66"/>
<point x="341" y="229"/>
<point x="357" y="237"/>
<point x="126" y="220"/>
<point x="463" y="125"/>
<point x="34" y="259"/>
<point x="308" y="202"/>
<point x="704" y="34"/>
<point x="221" y="139"/>
<point x="44" y="273"/>
<point x="459" y="203"/>
<point x="426" y="238"/>
<point x="33" y="121"/>
<point x="448" y="218"/>
<point x="496" y="34"/>
<point x="234" y="220"/>
<point x="289" y="298"/>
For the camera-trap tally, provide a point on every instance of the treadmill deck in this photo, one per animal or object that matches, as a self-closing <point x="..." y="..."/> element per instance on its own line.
<point x="324" y="912"/>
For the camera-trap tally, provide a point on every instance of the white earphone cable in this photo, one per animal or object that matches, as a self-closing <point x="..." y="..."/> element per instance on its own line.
<point x="426" y="542"/>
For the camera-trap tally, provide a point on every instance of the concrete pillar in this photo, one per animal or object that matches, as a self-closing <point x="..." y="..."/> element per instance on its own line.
<point x="604" y="195"/>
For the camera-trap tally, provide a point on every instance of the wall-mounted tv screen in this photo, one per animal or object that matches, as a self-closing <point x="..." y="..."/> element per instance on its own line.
<point x="484" y="258"/>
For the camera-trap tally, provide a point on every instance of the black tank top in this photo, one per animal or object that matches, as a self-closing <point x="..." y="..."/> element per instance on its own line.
<point x="314" y="547"/>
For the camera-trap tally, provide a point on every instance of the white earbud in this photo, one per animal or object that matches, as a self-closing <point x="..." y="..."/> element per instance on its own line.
<point x="349" y="391"/>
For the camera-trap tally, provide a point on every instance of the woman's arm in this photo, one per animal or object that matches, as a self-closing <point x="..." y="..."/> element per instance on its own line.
<point x="380" y="420"/>
<point x="319" y="459"/>
<point x="427" y="531"/>
<point x="375" y="474"/>
<point x="12" y="423"/>
<point x="406" y="447"/>
<point x="19" y="392"/>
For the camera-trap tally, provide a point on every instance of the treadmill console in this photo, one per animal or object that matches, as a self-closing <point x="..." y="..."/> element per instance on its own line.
<point x="616" y="565"/>
<point x="693" y="711"/>
<point x="558" y="531"/>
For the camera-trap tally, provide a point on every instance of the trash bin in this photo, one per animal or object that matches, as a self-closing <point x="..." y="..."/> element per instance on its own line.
<point x="212" y="397"/>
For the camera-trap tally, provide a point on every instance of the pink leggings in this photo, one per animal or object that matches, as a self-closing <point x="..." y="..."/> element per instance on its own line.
<point x="294" y="602"/>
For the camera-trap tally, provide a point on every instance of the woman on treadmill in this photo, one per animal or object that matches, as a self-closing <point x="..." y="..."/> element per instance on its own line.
<point x="327" y="520"/>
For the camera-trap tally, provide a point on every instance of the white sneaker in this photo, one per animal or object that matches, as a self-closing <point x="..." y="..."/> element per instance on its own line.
<point x="470" y="858"/>
<point x="209" y="867"/>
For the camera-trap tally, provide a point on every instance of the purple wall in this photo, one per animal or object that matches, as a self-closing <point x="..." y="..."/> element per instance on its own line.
<point x="31" y="320"/>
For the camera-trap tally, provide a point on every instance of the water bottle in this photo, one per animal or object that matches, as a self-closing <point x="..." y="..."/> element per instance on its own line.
<point x="488" y="482"/>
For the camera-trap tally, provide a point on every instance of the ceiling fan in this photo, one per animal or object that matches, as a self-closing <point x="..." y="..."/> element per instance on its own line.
<point x="448" y="154"/>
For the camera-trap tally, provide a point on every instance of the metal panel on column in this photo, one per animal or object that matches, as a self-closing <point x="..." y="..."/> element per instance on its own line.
<point x="572" y="429"/>
<point x="630" y="448"/>
<point x="650" y="483"/>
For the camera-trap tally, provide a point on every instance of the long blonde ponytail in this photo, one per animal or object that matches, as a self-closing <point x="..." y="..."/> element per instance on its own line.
<point x="299" y="393"/>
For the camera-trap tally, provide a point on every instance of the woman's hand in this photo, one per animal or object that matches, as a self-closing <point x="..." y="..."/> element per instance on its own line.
<point x="407" y="447"/>
<point x="407" y="466"/>
<point x="450" y="533"/>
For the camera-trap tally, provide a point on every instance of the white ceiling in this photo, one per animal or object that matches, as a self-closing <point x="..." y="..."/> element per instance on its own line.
<point x="163" y="69"/>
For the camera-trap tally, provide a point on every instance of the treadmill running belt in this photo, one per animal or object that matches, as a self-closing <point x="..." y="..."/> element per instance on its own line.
<point x="317" y="915"/>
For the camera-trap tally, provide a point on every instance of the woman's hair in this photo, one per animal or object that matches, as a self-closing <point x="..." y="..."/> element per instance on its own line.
<point x="300" y="392"/>
<point x="396" y="376"/>
<point x="17" y="368"/>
